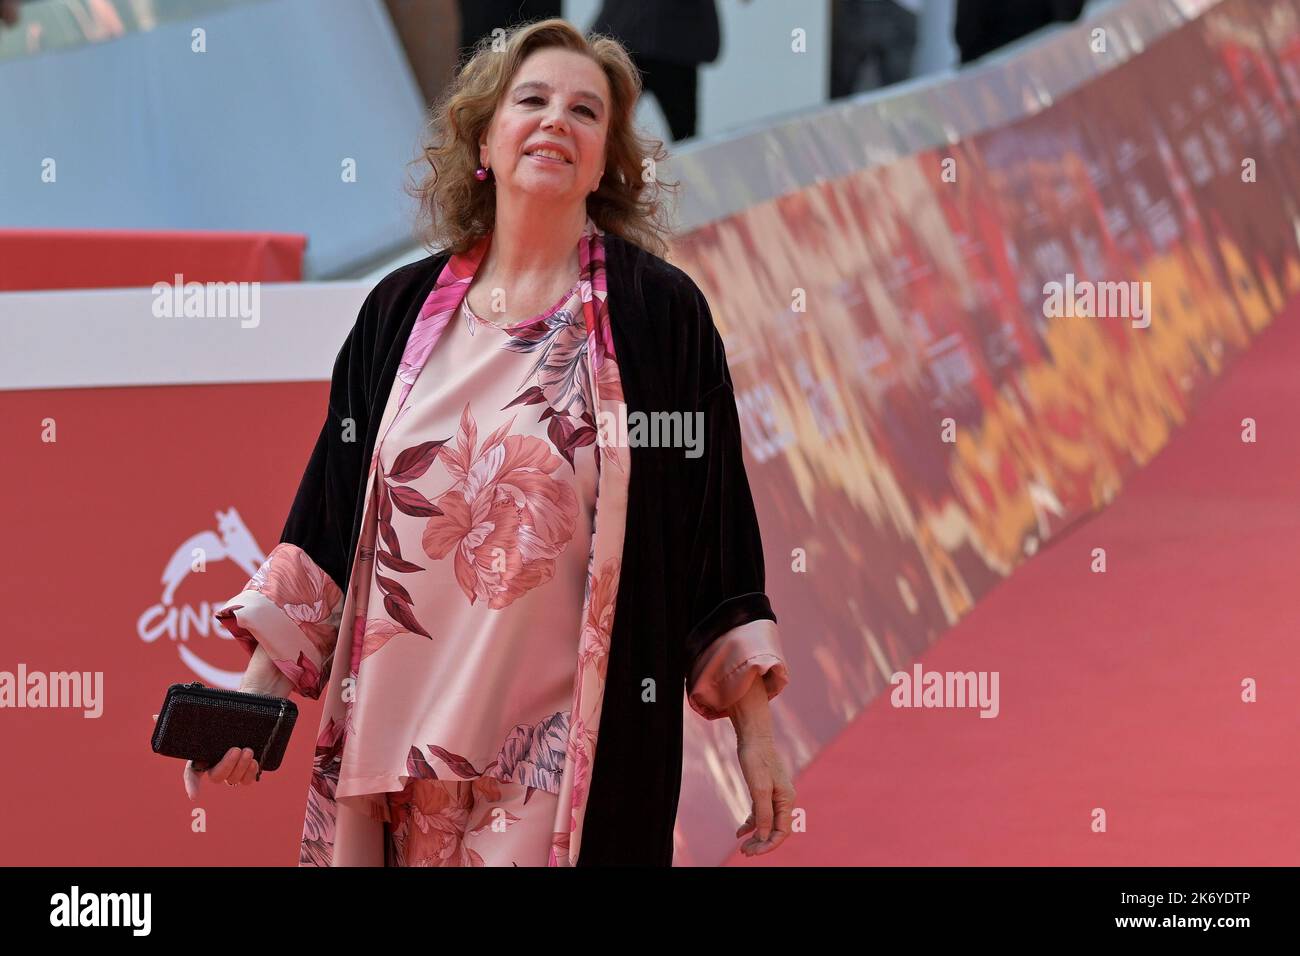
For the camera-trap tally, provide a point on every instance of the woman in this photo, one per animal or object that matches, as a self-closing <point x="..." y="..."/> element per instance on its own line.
<point x="520" y="579"/>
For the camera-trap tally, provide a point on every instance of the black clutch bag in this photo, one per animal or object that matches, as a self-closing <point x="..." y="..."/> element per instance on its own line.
<point x="202" y="723"/>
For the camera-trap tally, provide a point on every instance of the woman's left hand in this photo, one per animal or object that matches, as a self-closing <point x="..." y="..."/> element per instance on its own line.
<point x="765" y="774"/>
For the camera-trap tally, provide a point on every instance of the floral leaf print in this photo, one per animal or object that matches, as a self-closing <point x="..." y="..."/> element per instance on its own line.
<point x="414" y="462"/>
<point x="293" y="582"/>
<point x="533" y="754"/>
<point x="582" y="436"/>
<point x="429" y="324"/>
<point x="304" y="674"/>
<point x="327" y="759"/>
<point x="418" y="344"/>
<point x="385" y="522"/>
<point x="609" y="382"/>
<point x="536" y="336"/>
<point x="609" y="385"/>
<point x="397" y="564"/>
<point x="411" y="502"/>
<point x="317" y="845"/>
<point x="417" y="766"/>
<point x="378" y="633"/>
<point x="558" y="431"/>
<point x="486" y="789"/>
<point x="577" y="762"/>
<point x="457" y="458"/>
<point x="565" y="436"/>
<point x="458" y="764"/>
<point x="495" y="439"/>
<point x="401" y="613"/>
<point x="433" y="824"/>
<point x="563" y="372"/>
<point x="389" y="586"/>
<point x="398" y="602"/>
<point x="560" y="367"/>
<point x="600" y="617"/>
<point x="530" y="396"/>
<point x="390" y="537"/>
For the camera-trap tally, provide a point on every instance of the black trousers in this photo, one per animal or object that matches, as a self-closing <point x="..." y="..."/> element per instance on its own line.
<point x="676" y="89"/>
<point x="480" y="17"/>
<point x="871" y="45"/>
<point x="983" y="27"/>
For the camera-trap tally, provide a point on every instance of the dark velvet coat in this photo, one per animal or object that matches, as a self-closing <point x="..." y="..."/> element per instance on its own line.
<point x="692" y="563"/>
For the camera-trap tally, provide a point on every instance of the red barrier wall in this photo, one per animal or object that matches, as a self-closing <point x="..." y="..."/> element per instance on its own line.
<point x="34" y="259"/>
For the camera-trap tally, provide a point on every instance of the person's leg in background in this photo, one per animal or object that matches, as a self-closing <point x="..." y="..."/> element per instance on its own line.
<point x="848" y="46"/>
<point x="676" y="89"/>
<point x="872" y="43"/>
<point x="894" y="31"/>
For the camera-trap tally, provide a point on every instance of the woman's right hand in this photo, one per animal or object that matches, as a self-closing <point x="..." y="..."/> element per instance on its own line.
<point x="239" y="767"/>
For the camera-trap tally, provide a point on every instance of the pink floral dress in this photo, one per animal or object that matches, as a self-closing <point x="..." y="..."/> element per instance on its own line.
<point x="486" y="489"/>
<point x="450" y="722"/>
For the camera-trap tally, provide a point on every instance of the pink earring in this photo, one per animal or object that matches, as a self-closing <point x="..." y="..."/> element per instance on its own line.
<point x="481" y="173"/>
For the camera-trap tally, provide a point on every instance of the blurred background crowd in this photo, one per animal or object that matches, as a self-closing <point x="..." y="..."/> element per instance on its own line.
<point x="135" y="107"/>
<point x="872" y="43"/>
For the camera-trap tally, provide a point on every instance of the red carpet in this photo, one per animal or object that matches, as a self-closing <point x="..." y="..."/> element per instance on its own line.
<point x="1119" y="690"/>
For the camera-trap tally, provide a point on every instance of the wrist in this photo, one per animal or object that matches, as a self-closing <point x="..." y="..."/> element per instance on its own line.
<point x="261" y="676"/>
<point x="750" y="715"/>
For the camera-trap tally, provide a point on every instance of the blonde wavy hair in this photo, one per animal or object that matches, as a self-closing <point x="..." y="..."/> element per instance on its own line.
<point x="456" y="210"/>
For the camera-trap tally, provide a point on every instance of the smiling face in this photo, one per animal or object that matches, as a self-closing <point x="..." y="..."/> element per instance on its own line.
<point x="546" y="140"/>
